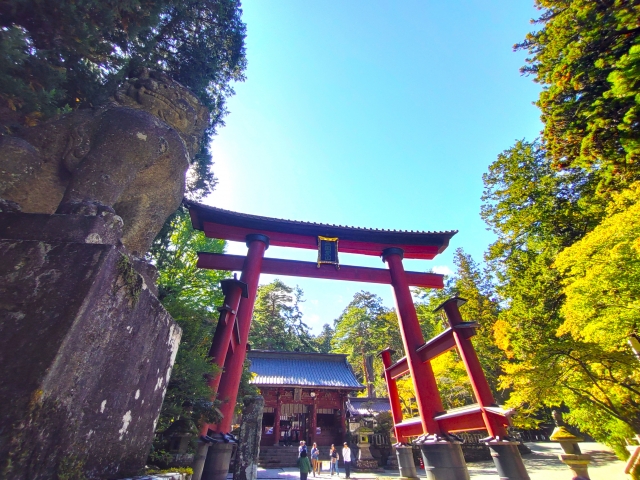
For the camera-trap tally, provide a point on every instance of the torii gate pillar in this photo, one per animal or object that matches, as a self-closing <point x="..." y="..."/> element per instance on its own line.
<point x="443" y="458"/>
<point x="213" y="463"/>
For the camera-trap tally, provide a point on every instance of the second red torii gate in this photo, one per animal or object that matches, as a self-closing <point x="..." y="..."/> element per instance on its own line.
<point x="229" y="345"/>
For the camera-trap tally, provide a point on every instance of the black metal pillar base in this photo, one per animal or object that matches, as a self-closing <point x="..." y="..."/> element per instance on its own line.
<point x="216" y="466"/>
<point x="198" y="461"/>
<point x="444" y="461"/>
<point x="508" y="461"/>
<point x="405" y="462"/>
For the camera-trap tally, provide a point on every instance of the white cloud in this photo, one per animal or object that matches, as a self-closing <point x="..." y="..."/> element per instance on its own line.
<point x="442" y="269"/>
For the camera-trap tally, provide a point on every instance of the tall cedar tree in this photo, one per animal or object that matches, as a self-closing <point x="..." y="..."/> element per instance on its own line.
<point x="365" y="328"/>
<point x="59" y="55"/>
<point x="277" y="320"/>
<point x="586" y="56"/>
<point x="323" y="339"/>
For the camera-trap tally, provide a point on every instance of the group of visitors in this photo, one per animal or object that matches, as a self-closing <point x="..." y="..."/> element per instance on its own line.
<point x="314" y="465"/>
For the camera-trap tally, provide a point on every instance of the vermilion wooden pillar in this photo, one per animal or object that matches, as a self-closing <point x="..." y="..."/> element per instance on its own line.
<point x="234" y="290"/>
<point x="276" y="420"/>
<point x="206" y="466"/>
<point x="479" y="383"/>
<point x="343" y="416"/>
<point x="424" y="381"/>
<point x="230" y="381"/>
<point x="394" y="398"/>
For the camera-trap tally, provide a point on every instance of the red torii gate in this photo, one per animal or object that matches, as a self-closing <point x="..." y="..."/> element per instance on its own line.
<point x="228" y="349"/>
<point x="485" y="415"/>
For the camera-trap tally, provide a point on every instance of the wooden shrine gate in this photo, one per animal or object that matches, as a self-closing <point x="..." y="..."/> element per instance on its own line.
<point x="229" y="345"/>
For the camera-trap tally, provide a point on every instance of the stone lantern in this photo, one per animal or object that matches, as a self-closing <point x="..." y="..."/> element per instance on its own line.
<point x="577" y="461"/>
<point x="365" y="459"/>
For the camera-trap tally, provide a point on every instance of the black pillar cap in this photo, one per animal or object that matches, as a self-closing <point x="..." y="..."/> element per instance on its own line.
<point x="392" y="251"/>
<point x="388" y="349"/>
<point x="231" y="282"/>
<point x="257" y="236"/>
<point x="460" y="302"/>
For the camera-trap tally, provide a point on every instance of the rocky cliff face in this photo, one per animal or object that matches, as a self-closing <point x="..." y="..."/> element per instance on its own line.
<point x="86" y="349"/>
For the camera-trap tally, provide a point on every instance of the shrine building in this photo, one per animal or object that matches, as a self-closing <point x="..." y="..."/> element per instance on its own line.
<point x="305" y="396"/>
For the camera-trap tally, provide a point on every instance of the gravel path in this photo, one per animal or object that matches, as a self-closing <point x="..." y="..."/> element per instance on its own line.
<point x="542" y="464"/>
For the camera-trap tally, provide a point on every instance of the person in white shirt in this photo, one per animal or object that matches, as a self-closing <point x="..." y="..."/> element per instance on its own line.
<point x="346" y="459"/>
<point x="303" y="446"/>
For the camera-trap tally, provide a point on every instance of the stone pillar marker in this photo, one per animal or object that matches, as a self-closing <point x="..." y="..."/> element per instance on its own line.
<point x="246" y="465"/>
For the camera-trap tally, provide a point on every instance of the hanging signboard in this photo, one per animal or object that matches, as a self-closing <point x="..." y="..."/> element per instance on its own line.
<point x="328" y="251"/>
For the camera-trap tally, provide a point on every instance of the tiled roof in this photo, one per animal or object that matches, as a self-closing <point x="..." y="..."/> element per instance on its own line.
<point x="323" y="370"/>
<point x="228" y="214"/>
<point x="367" y="406"/>
<point x="234" y="226"/>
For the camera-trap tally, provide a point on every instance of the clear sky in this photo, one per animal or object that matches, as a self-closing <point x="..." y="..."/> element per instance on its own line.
<point x="379" y="114"/>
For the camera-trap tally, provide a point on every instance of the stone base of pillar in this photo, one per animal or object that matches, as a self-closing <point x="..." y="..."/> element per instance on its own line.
<point x="405" y="462"/>
<point x="199" y="459"/>
<point x="577" y="463"/>
<point x="444" y="461"/>
<point x="508" y="461"/>
<point x="216" y="466"/>
<point x="370" y="465"/>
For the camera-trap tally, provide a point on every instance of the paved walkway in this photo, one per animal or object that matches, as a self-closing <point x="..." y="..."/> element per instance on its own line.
<point x="542" y="464"/>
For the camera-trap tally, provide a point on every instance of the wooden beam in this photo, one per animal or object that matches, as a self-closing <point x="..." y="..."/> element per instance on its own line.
<point x="411" y="427"/>
<point x="462" y="423"/>
<point x="438" y="345"/>
<point x="276" y="266"/>
<point x="433" y="348"/>
<point x="398" y="369"/>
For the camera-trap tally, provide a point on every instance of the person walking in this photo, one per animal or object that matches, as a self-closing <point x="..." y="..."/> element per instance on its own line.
<point x="346" y="458"/>
<point x="304" y="465"/>
<point x="315" y="459"/>
<point x="334" y="457"/>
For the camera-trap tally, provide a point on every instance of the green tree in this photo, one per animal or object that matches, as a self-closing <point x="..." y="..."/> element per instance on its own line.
<point x="602" y="308"/>
<point x="277" y="320"/>
<point x="323" y="339"/>
<point x="586" y="57"/>
<point x="60" y="55"/>
<point x="363" y="330"/>
<point x="537" y="213"/>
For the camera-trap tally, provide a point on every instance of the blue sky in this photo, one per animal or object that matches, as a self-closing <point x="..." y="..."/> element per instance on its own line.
<point x="375" y="114"/>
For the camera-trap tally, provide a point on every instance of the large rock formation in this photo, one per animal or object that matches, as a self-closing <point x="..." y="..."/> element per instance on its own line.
<point x="129" y="156"/>
<point x="86" y="349"/>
